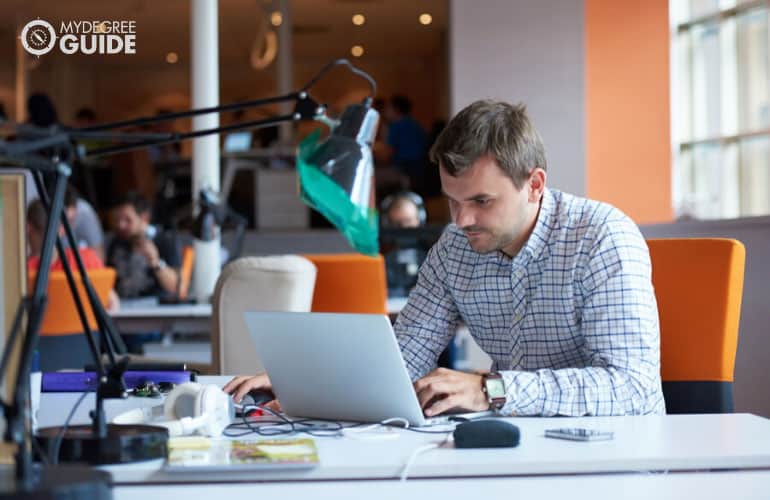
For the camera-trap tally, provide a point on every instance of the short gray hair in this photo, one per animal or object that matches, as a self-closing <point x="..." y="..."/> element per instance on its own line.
<point x="495" y="128"/>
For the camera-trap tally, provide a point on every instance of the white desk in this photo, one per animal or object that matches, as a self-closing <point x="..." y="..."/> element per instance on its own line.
<point x="650" y="443"/>
<point x="183" y="318"/>
<point x="675" y="486"/>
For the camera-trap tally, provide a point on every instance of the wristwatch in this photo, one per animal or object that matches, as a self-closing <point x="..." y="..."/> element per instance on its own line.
<point x="160" y="265"/>
<point x="494" y="388"/>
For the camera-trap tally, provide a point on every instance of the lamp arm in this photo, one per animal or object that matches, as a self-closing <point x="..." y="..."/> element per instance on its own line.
<point x="193" y="112"/>
<point x="171" y="138"/>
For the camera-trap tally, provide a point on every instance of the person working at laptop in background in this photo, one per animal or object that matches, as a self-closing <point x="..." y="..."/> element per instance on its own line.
<point x="555" y="288"/>
<point x="145" y="259"/>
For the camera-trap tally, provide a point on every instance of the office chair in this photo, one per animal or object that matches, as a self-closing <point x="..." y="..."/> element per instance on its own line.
<point x="698" y="285"/>
<point x="62" y="343"/>
<point x="185" y="271"/>
<point x="349" y="283"/>
<point x="273" y="283"/>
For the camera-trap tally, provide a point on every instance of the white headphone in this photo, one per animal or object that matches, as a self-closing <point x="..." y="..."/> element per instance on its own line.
<point x="189" y="408"/>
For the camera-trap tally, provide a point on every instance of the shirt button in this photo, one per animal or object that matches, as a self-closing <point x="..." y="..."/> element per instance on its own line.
<point x="517" y="317"/>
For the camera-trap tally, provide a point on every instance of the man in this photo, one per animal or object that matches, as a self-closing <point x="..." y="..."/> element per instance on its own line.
<point x="84" y="222"/>
<point x="406" y="140"/>
<point x="145" y="262"/>
<point x="37" y="219"/>
<point x="405" y="252"/>
<point x="555" y="288"/>
<point x="402" y="210"/>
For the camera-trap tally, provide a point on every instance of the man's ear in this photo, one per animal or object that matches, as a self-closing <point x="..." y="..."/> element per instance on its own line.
<point x="536" y="184"/>
<point x="145" y="216"/>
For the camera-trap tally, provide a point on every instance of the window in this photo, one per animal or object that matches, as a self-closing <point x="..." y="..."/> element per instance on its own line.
<point x="720" y="107"/>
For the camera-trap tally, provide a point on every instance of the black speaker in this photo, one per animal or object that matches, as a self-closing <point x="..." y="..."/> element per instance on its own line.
<point x="486" y="434"/>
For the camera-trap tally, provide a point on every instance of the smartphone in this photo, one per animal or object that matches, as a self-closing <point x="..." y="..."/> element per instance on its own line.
<point x="578" y="434"/>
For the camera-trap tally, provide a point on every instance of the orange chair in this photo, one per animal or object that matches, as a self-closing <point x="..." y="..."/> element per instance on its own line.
<point x="185" y="271"/>
<point x="349" y="283"/>
<point x="698" y="285"/>
<point x="61" y="316"/>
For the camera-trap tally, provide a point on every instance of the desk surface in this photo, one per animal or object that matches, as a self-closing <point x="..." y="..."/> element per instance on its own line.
<point x="640" y="486"/>
<point x="657" y="443"/>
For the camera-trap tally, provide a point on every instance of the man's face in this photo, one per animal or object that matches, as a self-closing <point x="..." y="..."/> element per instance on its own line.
<point x="404" y="213"/>
<point x="128" y="223"/>
<point x="490" y="210"/>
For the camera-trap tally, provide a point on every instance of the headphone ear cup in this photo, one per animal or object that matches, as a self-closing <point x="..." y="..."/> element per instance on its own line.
<point x="217" y="407"/>
<point x="182" y="401"/>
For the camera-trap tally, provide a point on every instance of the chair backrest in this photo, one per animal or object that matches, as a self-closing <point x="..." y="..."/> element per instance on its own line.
<point x="185" y="271"/>
<point x="273" y="283"/>
<point x="61" y="316"/>
<point x="349" y="283"/>
<point x="698" y="286"/>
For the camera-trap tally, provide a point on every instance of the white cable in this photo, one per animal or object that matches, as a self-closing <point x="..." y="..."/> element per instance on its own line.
<point x="413" y="457"/>
<point x="416" y="453"/>
<point x="359" y="432"/>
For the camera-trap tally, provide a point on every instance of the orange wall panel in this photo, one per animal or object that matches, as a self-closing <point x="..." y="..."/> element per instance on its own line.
<point x="628" y="140"/>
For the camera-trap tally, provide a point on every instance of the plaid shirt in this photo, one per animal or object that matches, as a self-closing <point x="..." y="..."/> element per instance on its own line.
<point x="571" y="321"/>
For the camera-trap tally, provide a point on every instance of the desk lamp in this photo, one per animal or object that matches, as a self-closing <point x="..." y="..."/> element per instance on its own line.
<point x="335" y="177"/>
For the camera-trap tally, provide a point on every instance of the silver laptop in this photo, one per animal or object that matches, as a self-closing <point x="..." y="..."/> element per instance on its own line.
<point x="335" y="366"/>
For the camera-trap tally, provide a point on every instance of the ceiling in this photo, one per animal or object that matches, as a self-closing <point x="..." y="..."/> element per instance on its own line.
<point x="322" y="28"/>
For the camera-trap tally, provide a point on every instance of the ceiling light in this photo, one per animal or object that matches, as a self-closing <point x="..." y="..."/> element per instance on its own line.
<point x="426" y="19"/>
<point x="276" y="18"/>
<point x="172" y="57"/>
<point x="359" y="19"/>
<point x="357" y="50"/>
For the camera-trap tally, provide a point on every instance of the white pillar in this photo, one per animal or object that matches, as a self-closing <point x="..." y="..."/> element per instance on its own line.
<point x="204" y="43"/>
<point x="285" y="70"/>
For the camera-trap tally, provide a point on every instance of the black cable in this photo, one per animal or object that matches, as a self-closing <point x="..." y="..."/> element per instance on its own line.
<point x="338" y="62"/>
<point x="280" y="425"/>
<point x="56" y="446"/>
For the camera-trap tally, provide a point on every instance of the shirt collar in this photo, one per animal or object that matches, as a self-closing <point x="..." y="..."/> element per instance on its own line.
<point x="538" y="239"/>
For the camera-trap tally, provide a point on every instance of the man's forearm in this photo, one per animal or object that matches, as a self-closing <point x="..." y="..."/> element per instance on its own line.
<point x="168" y="279"/>
<point x="579" y="391"/>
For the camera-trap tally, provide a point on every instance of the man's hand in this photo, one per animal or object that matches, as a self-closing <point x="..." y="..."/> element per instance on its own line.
<point x="146" y="247"/>
<point x="444" y="389"/>
<point x="242" y="384"/>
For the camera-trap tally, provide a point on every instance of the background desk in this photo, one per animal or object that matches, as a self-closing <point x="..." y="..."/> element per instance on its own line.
<point x="136" y="317"/>
<point x="178" y="318"/>
<point x="183" y="318"/>
<point x="647" y="443"/>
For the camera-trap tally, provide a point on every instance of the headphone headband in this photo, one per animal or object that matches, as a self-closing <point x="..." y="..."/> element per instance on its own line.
<point x="403" y="195"/>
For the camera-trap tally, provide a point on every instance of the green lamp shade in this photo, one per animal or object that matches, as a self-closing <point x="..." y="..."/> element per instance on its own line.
<point x="335" y="179"/>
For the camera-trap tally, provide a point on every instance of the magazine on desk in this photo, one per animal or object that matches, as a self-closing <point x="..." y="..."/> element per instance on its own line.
<point x="204" y="454"/>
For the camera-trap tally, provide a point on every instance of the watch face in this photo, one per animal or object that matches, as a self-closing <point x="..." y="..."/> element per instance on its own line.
<point x="495" y="388"/>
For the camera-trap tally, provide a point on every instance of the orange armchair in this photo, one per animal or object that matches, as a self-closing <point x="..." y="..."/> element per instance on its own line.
<point x="185" y="271"/>
<point x="698" y="286"/>
<point x="61" y="316"/>
<point x="349" y="283"/>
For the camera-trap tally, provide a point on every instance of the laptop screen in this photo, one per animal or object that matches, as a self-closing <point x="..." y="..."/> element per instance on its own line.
<point x="237" y="141"/>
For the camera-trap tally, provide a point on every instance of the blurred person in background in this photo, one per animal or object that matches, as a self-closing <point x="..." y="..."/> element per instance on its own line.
<point x="146" y="259"/>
